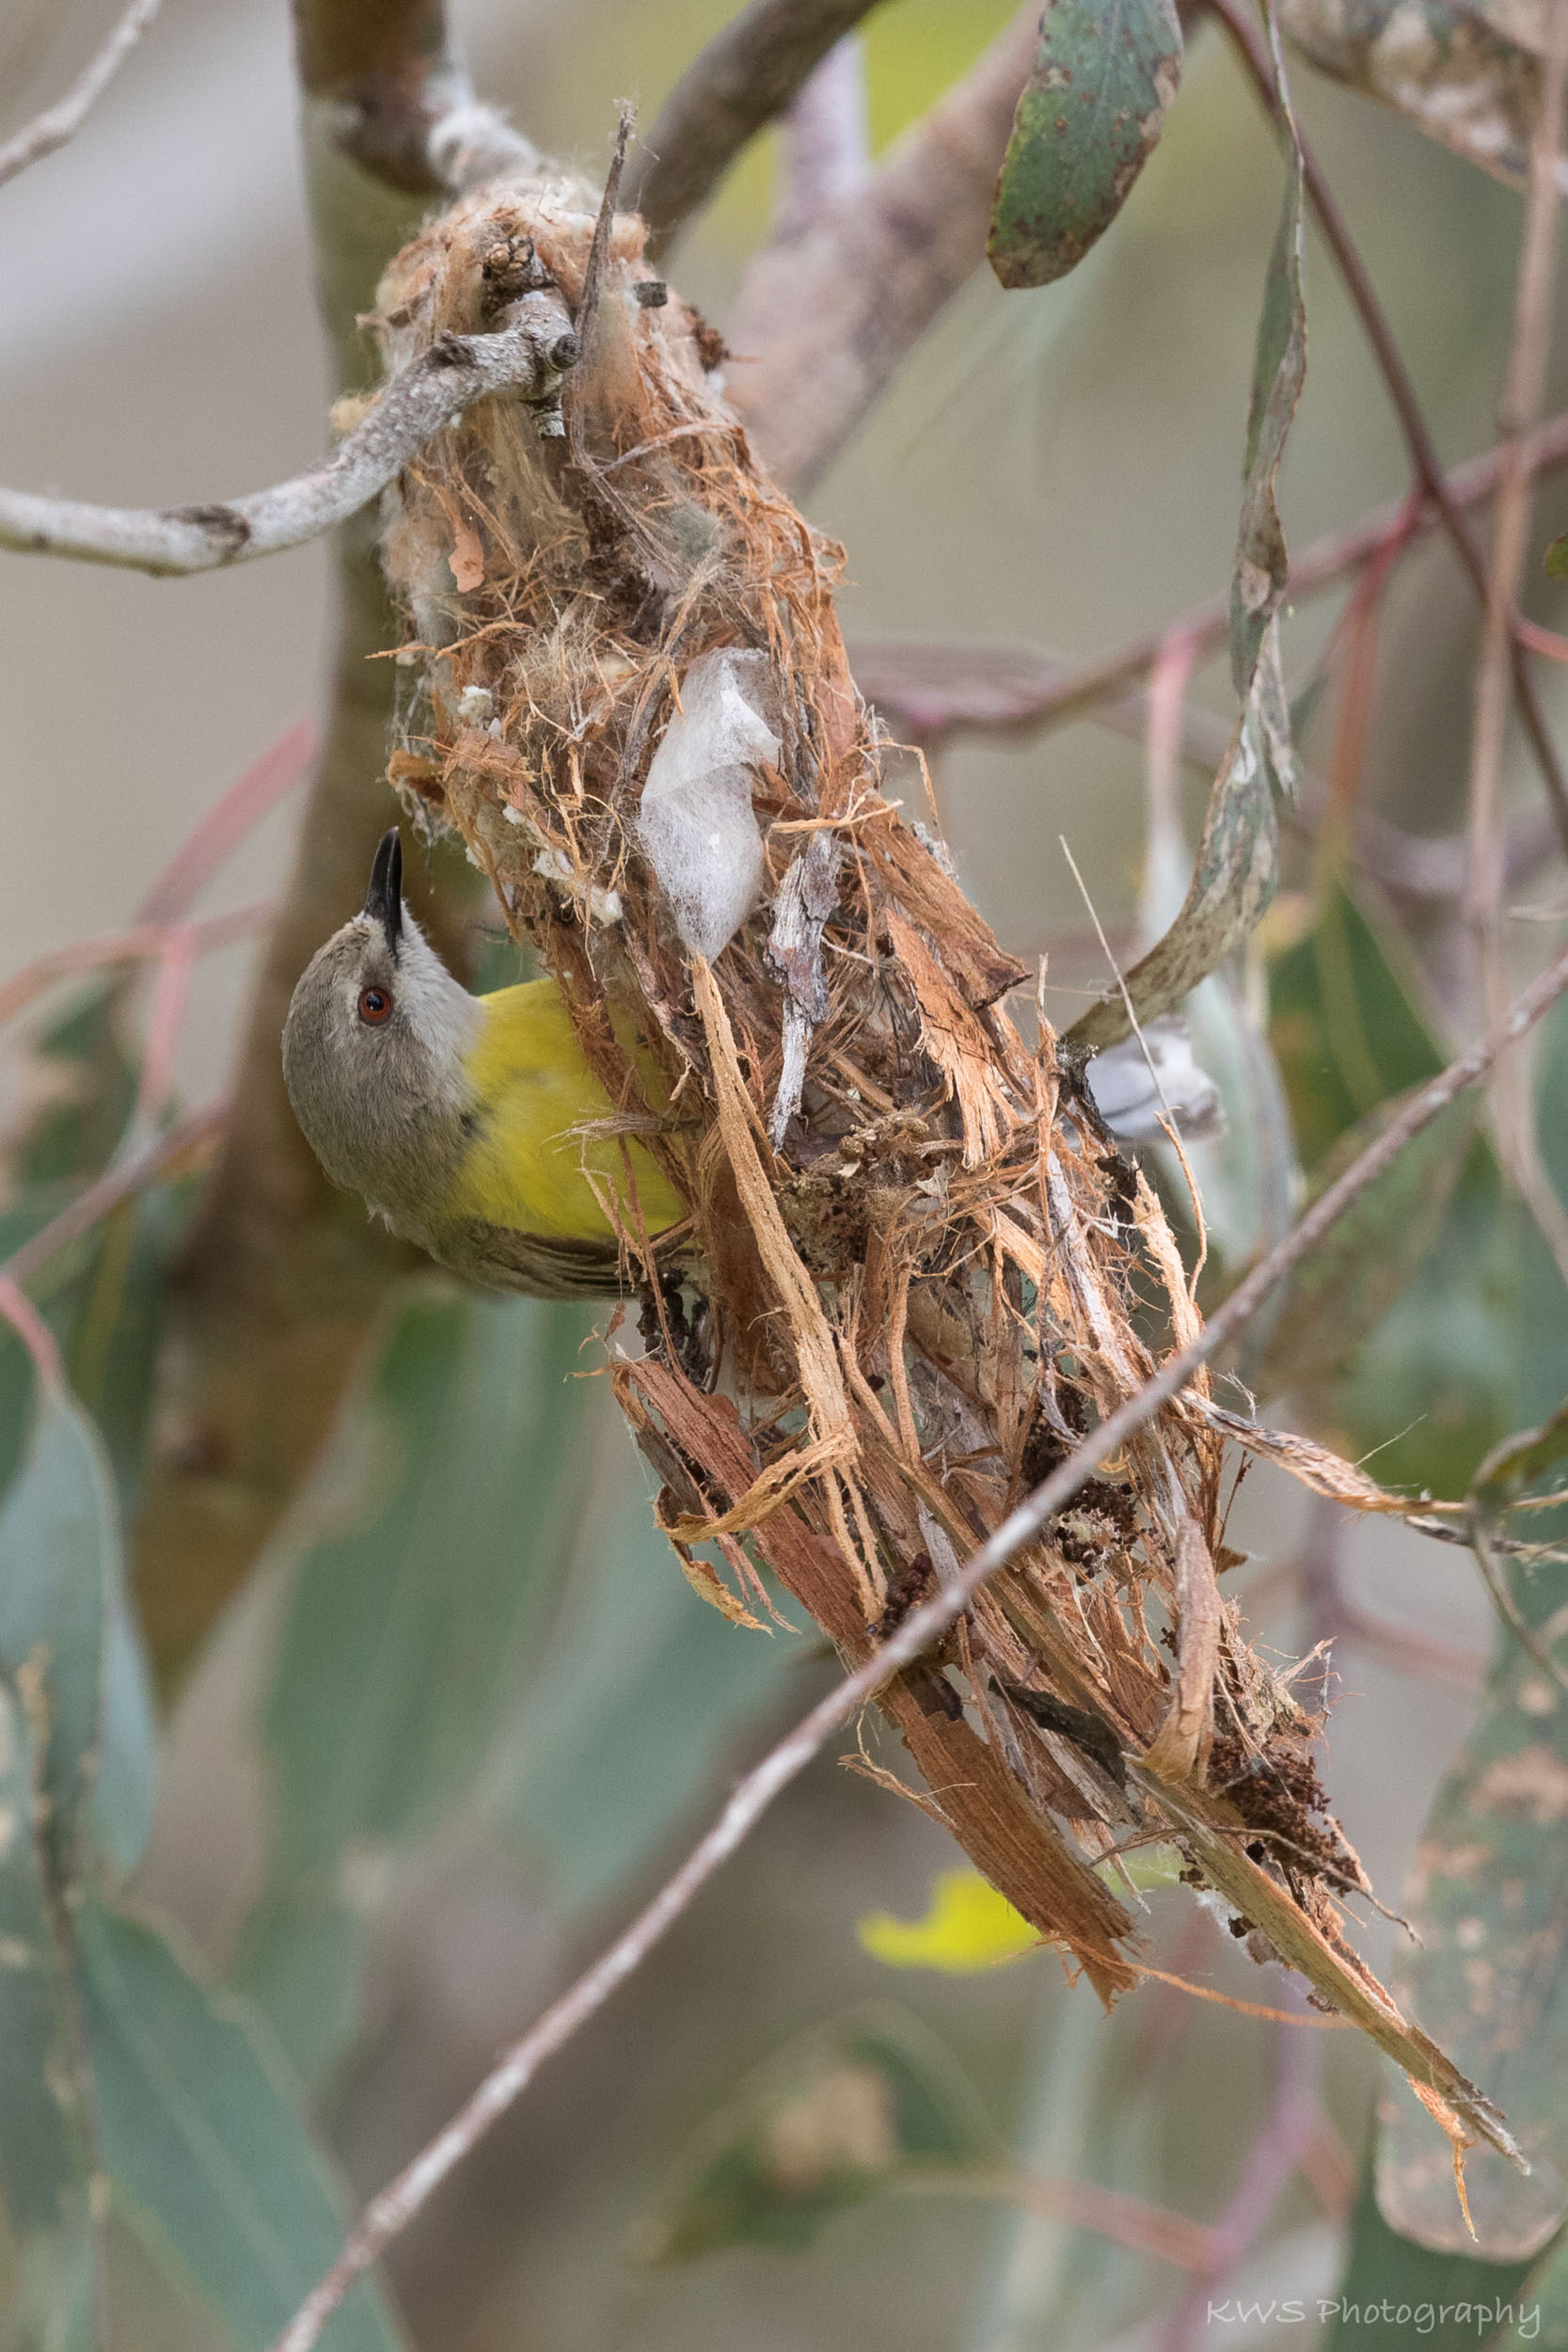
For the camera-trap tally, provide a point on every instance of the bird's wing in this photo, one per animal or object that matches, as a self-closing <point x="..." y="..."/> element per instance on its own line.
<point x="538" y="1264"/>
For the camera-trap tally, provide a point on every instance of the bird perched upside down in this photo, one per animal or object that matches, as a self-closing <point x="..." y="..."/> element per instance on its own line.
<point x="466" y="1121"/>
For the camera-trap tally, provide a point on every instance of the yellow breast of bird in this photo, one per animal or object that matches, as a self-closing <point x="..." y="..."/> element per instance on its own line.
<point x="529" y="1165"/>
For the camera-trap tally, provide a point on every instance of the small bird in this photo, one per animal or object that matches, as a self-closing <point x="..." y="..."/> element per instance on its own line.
<point x="468" y="1122"/>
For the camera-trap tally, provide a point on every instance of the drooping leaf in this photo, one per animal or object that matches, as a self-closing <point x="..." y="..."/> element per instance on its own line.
<point x="1087" y="121"/>
<point x="1434" y="1318"/>
<point x="1466" y="72"/>
<point x="203" y="2142"/>
<point x="1238" y="856"/>
<point x="1488" y="1976"/>
<point x="1476" y="1344"/>
<point x="409" y="1630"/>
<point x="64" y="1618"/>
<point x="834" y="2119"/>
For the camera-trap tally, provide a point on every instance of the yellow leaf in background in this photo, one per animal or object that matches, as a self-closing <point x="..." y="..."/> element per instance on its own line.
<point x="968" y="1926"/>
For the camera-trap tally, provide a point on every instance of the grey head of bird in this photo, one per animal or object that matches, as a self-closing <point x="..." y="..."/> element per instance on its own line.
<point x="372" y="1057"/>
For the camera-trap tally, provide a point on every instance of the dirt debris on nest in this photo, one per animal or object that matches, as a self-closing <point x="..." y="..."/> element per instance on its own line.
<point x="923" y="1296"/>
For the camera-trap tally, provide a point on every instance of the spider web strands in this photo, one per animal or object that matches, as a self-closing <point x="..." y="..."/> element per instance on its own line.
<point x="396" y="2206"/>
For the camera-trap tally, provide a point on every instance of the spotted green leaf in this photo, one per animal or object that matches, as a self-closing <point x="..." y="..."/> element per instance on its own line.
<point x="1087" y="121"/>
<point x="1467" y="73"/>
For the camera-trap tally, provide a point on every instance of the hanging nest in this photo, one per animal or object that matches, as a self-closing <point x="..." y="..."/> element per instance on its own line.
<point x="916" y="1270"/>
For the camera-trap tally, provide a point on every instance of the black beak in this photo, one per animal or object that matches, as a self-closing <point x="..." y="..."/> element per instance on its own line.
<point x="384" y="899"/>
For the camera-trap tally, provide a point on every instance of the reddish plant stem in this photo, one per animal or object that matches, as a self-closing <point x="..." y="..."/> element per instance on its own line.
<point x="1425" y="462"/>
<point x="1264" y="2173"/>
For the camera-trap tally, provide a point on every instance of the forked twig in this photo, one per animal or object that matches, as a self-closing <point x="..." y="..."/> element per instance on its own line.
<point x="64" y="119"/>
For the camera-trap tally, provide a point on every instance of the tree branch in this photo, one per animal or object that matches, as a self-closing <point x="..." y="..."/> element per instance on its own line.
<point x="283" y="1279"/>
<point x="824" y="143"/>
<point x="392" y="2211"/>
<point x="827" y="317"/>
<point x="528" y="358"/>
<point x="1424" y="459"/>
<point x="61" y="122"/>
<point x="748" y="73"/>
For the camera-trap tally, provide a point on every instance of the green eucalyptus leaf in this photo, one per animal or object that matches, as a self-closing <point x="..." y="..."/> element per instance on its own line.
<point x="841" y="2115"/>
<point x="63" y="1615"/>
<point x="1087" y="121"/>
<point x="1393" y="2292"/>
<point x="1488" y="1972"/>
<point x="641" y="1692"/>
<point x="1340" y="1291"/>
<point x="1238" y="856"/>
<point x="203" y="2142"/>
<point x="1471" y="82"/>
<point x="410" y="1626"/>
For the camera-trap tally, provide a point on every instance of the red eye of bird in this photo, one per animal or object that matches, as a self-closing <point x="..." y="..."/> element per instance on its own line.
<point x="374" y="1005"/>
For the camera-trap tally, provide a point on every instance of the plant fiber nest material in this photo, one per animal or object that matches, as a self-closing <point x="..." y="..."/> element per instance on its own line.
<point x="869" y="1342"/>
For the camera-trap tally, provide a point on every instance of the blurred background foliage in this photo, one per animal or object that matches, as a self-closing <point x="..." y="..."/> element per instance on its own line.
<point x="467" y="1708"/>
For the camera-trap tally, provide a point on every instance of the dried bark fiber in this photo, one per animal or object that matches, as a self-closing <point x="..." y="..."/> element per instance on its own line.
<point x="889" y="1328"/>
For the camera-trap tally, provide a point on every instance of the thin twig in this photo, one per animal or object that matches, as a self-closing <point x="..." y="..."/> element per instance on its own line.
<point x="34" y="1335"/>
<point x="1058" y="690"/>
<point x="1276" y="2150"/>
<point x="219" y="832"/>
<point x="429" y="396"/>
<point x="390" y="2212"/>
<point x="129" y="1175"/>
<point x="64" y="119"/>
<point x="930" y="690"/>
<point x="748" y="73"/>
<point x="1108" y="2213"/>
<point x="1487" y="880"/>
<point x="139" y="945"/>
<point x="1424" y="459"/>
